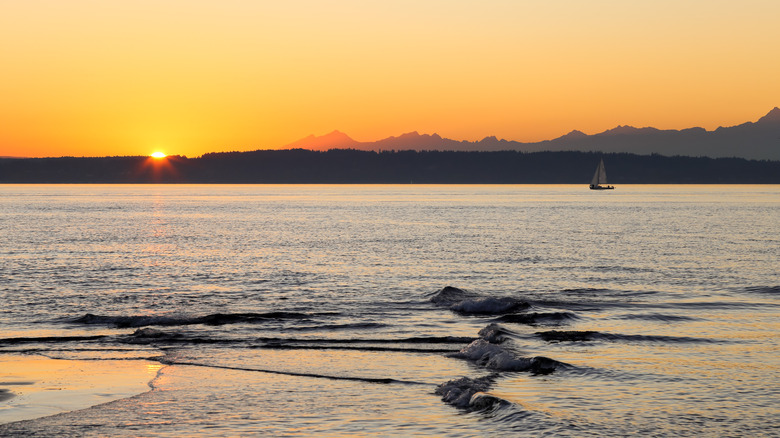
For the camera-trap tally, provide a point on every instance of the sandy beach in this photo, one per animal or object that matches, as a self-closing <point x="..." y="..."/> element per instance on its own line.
<point x="37" y="386"/>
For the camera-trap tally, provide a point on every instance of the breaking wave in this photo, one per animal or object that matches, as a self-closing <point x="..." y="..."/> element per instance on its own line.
<point x="495" y="334"/>
<point x="449" y="295"/>
<point x="469" y="394"/>
<point x="471" y="303"/>
<point x="494" y="357"/>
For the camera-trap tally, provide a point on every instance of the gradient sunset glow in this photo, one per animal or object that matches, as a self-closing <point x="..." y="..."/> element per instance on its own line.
<point x="91" y="78"/>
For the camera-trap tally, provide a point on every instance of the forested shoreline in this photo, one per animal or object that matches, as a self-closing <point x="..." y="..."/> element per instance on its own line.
<point x="346" y="166"/>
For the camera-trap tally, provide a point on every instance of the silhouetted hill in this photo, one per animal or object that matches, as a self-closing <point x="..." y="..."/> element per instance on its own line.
<point x="335" y="139"/>
<point x="758" y="141"/>
<point x="772" y="117"/>
<point x="353" y="166"/>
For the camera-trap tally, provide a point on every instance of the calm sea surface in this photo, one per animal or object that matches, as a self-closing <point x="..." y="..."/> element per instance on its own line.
<point x="402" y="310"/>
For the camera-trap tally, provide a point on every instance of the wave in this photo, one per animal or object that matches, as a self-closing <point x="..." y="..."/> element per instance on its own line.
<point x="48" y="339"/>
<point x="580" y="336"/>
<point x="593" y="298"/>
<point x="419" y="344"/>
<point x="416" y="344"/>
<point x="151" y="333"/>
<point x="468" y="393"/>
<point x="604" y="293"/>
<point x="764" y="290"/>
<point x="406" y="345"/>
<point x="212" y="319"/>
<point x="488" y="306"/>
<point x="471" y="303"/>
<point x="585" y="291"/>
<point x="449" y="295"/>
<point x="658" y="317"/>
<point x="571" y="336"/>
<point x="495" y="334"/>
<point x="349" y="326"/>
<point x="471" y="395"/>
<point x="538" y="318"/>
<point x="233" y="318"/>
<point x="354" y="347"/>
<point x="412" y="340"/>
<point x="153" y="336"/>
<point x="494" y="357"/>
<point x="385" y="381"/>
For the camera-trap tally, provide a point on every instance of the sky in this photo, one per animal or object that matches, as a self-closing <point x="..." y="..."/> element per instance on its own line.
<point x="106" y="78"/>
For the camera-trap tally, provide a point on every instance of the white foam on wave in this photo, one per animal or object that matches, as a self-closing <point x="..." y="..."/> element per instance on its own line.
<point x="494" y="333"/>
<point x="463" y="301"/>
<point x="449" y="295"/>
<point x="464" y="392"/>
<point x="478" y="349"/>
<point x="495" y="357"/>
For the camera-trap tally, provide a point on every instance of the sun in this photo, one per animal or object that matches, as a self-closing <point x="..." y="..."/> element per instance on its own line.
<point x="158" y="154"/>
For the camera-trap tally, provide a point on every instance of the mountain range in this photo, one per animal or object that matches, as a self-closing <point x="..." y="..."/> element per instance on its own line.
<point x="759" y="140"/>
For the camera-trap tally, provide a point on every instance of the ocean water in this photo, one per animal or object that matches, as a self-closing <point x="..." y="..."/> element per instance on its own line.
<point x="400" y="310"/>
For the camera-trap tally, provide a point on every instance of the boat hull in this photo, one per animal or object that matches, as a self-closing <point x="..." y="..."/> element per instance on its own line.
<point x="592" y="187"/>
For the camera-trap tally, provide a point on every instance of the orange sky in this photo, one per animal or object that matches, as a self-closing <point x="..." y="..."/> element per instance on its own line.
<point x="95" y="78"/>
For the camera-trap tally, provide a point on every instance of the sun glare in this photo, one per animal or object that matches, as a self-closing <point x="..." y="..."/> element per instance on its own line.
<point x="158" y="155"/>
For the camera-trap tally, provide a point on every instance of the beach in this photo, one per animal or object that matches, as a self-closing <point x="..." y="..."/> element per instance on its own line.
<point x="36" y="386"/>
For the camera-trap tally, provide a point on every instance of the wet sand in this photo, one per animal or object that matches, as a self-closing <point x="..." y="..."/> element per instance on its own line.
<point x="37" y="386"/>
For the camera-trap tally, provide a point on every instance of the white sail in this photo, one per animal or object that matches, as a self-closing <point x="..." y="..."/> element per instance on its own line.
<point x="602" y="172"/>
<point x="595" y="179"/>
<point x="600" y="177"/>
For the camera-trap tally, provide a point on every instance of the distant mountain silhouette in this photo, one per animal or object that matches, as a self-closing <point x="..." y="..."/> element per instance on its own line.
<point x="335" y="139"/>
<point x="770" y="117"/>
<point x="758" y="140"/>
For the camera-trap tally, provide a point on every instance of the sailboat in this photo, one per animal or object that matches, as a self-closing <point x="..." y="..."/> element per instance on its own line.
<point x="599" y="178"/>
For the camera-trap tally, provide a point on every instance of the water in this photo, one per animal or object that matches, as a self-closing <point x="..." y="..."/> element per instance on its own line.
<point x="303" y="310"/>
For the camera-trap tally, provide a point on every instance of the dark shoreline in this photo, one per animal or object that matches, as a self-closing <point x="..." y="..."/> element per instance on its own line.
<point x="345" y="166"/>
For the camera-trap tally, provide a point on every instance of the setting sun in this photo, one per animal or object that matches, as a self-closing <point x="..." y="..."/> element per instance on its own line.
<point x="502" y="70"/>
<point x="158" y="155"/>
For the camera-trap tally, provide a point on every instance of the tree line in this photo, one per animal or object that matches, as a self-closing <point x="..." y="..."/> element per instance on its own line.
<point x="346" y="166"/>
